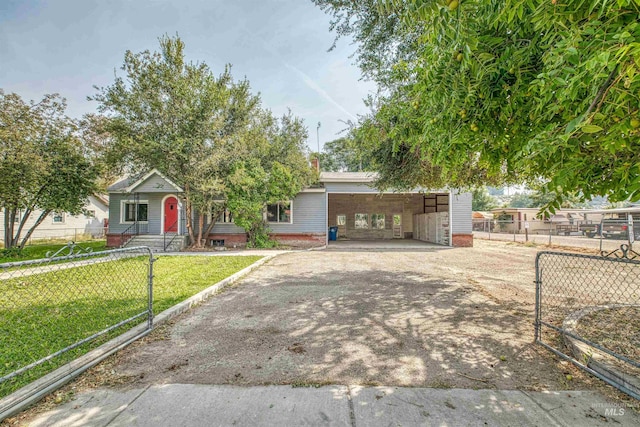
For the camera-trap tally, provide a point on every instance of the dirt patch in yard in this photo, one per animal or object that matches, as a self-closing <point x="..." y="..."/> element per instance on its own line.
<point x="433" y="318"/>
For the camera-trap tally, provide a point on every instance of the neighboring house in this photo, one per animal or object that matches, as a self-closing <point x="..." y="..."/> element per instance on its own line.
<point x="62" y="225"/>
<point x="482" y="221"/>
<point x="152" y="206"/>
<point x="512" y="220"/>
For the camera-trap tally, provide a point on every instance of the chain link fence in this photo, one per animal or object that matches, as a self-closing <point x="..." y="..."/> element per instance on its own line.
<point x="579" y="234"/>
<point x="76" y="234"/>
<point x="588" y="311"/>
<point x="55" y="309"/>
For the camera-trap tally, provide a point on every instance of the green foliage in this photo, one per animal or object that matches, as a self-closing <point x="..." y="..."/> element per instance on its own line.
<point x="40" y="250"/>
<point x="542" y="198"/>
<point x="261" y="179"/>
<point x="482" y="200"/>
<point x="521" y="200"/>
<point x="502" y="91"/>
<point x="44" y="164"/>
<point x="10" y="254"/>
<point x="345" y="154"/>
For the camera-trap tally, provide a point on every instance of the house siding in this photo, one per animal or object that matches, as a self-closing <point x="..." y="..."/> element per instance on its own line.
<point x="309" y="215"/>
<point x="154" y="212"/>
<point x="72" y="227"/>
<point x="155" y="184"/>
<point x="461" y="221"/>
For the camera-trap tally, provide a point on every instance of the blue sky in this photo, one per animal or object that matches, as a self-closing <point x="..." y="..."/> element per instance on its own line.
<point x="68" y="46"/>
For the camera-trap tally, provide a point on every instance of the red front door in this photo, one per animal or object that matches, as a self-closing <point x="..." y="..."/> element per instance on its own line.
<point x="171" y="215"/>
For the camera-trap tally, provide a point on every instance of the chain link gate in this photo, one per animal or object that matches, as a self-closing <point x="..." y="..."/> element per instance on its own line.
<point x="56" y="309"/>
<point x="588" y="312"/>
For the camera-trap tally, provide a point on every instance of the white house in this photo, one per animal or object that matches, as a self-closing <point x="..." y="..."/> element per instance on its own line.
<point x="61" y="225"/>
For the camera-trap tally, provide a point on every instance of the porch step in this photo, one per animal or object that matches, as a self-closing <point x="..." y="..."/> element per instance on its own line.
<point x="156" y="243"/>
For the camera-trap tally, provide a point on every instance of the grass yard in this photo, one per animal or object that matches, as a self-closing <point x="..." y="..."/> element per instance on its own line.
<point x="43" y="313"/>
<point x="40" y="250"/>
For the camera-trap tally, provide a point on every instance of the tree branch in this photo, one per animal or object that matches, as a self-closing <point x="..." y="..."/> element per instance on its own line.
<point x="602" y="90"/>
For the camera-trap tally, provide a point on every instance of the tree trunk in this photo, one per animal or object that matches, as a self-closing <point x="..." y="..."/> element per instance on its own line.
<point x="23" y="221"/>
<point x="188" y="212"/>
<point x="41" y="218"/>
<point x="210" y="227"/>
<point x="8" y="229"/>
<point x="198" y="243"/>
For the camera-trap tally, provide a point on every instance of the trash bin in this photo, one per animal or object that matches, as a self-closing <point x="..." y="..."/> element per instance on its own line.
<point x="333" y="233"/>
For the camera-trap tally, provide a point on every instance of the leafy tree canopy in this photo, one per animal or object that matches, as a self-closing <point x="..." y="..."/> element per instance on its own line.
<point x="178" y="117"/>
<point x="502" y="91"/>
<point x="44" y="165"/>
<point x="482" y="200"/>
<point x="345" y="154"/>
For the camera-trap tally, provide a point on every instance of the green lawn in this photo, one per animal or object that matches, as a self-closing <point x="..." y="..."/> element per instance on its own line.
<point x="40" y="250"/>
<point x="42" y="313"/>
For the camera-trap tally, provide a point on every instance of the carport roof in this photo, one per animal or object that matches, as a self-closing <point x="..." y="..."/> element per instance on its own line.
<point x="348" y="176"/>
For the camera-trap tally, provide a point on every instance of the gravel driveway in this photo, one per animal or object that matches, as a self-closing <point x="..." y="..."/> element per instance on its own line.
<point x="437" y="317"/>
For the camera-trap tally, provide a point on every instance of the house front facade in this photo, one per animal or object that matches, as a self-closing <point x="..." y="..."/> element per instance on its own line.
<point x="348" y="201"/>
<point x="151" y="205"/>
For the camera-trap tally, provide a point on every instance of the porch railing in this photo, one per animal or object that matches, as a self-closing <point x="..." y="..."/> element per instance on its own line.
<point x="170" y="236"/>
<point x="132" y="231"/>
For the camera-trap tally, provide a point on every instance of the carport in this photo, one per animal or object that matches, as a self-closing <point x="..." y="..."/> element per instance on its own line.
<point x="363" y="213"/>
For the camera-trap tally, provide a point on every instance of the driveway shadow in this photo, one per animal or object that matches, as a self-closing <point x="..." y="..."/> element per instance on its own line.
<point x="289" y="323"/>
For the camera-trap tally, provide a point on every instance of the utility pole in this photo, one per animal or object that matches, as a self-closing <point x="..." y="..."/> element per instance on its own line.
<point x="318" y="137"/>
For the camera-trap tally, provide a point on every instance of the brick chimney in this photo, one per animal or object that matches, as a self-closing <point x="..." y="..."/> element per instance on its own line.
<point x="315" y="163"/>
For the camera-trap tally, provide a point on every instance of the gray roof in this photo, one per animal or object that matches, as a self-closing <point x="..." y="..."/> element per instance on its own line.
<point x="128" y="184"/>
<point x="122" y="184"/>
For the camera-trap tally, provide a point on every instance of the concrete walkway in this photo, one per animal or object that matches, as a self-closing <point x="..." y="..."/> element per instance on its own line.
<point x="212" y="405"/>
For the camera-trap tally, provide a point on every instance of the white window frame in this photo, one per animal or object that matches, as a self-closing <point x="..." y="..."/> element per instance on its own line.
<point x="226" y="210"/>
<point x="278" y="214"/>
<point x="344" y="223"/>
<point x="225" y="214"/>
<point x="62" y="218"/>
<point x="132" y="202"/>
<point x="368" y="227"/>
<point x="374" y="225"/>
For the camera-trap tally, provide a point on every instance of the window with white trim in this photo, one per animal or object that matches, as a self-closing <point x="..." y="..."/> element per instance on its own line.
<point x="225" y="217"/>
<point x="58" y="218"/>
<point x="377" y="221"/>
<point x="362" y="221"/>
<point x="341" y="220"/>
<point x="134" y="211"/>
<point x="90" y="214"/>
<point x="280" y="212"/>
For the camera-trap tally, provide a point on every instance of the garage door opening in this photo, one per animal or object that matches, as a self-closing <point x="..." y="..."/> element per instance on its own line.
<point x="375" y="217"/>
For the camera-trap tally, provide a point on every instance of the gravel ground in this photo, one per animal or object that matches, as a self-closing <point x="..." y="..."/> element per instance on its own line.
<point x="437" y="317"/>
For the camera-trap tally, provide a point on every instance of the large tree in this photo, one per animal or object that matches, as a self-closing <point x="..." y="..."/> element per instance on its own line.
<point x="502" y="91"/>
<point x="178" y="117"/>
<point x="270" y="167"/>
<point x="199" y="129"/>
<point x="345" y="154"/>
<point x="44" y="166"/>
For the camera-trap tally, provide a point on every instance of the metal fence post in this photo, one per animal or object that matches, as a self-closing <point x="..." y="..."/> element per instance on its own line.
<point x="538" y="283"/>
<point x="150" y="302"/>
